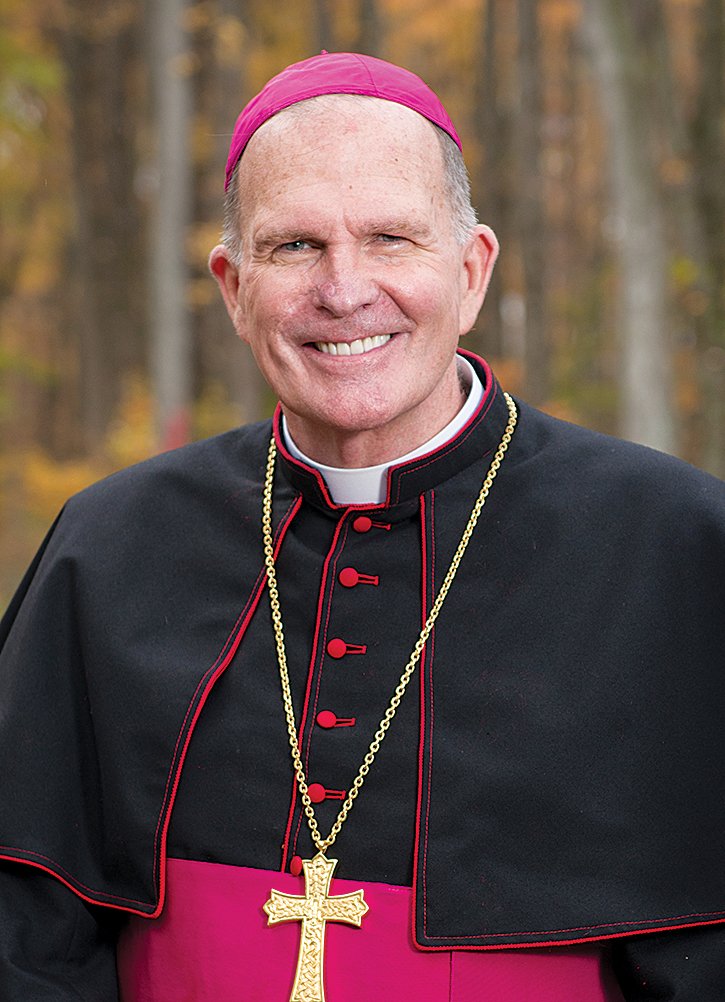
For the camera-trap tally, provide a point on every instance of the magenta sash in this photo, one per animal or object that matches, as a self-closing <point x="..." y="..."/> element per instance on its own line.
<point x="212" y="944"/>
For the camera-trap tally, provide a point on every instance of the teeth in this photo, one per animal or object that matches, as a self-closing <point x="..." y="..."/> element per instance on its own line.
<point x="354" y="347"/>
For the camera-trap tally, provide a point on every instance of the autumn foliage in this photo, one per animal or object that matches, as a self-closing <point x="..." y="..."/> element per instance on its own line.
<point x="80" y="87"/>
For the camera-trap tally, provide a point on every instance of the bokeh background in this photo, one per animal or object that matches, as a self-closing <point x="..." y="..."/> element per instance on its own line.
<point x="594" y="131"/>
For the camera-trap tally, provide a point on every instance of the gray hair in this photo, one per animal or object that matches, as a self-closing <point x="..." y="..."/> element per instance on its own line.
<point x="456" y="182"/>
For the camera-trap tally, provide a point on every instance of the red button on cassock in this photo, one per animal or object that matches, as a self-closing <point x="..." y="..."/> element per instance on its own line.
<point x="337" y="648"/>
<point x="295" y="866"/>
<point x="362" y="524"/>
<point x="348" y="577"/>
<point x="327" y="719"/>
<point x="316" y="792"/>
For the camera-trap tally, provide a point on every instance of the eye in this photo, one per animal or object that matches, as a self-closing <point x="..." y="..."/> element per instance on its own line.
<point x="294" y="246"/>
<point x="390" y="238"/>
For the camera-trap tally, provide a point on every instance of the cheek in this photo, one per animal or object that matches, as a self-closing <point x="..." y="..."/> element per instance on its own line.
<point x="427" y="294"/>
<point x="252" y="293"/>
<point x="436" y="314"/>
<point x="270" y="302"/>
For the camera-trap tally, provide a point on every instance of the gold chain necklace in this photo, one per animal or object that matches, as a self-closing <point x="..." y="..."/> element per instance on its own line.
<point x="316" y="907"/>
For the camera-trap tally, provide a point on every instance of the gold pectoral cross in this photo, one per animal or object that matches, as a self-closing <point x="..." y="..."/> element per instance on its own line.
<point x="313" y="910"/>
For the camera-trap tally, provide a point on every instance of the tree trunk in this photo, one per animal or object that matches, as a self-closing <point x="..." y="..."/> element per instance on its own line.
<point x="645" y="370"/>
<point x="245" y="384"/>
<point x="171" y="329"/>
<point x="529" y="210"/>
<point x="488" y="182"/>
<point x="105" y="285"/>
<point x="709" y="152"/>
<point x="323" y="27"/>
<point x="369" y="35"/>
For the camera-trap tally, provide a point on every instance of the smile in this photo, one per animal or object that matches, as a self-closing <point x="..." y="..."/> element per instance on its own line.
<point x="360" y="347"/>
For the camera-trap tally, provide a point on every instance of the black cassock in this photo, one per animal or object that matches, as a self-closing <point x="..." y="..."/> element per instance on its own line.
<point x="555" y="774"/>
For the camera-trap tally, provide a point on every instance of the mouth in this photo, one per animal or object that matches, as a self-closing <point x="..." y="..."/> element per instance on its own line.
<point x="359" y="347"/>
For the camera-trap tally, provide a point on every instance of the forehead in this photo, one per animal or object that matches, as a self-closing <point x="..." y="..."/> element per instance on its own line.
<point x="357" y="143"/>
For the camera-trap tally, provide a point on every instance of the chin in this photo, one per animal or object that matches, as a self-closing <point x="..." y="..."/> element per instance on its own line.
<point x="360" y="420"/>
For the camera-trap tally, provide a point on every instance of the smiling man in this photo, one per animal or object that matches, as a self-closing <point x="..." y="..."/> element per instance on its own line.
<point x="350" y="280"/>
<point x="411" y="693"/>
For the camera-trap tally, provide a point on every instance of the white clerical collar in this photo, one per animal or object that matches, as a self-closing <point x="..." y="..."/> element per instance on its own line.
<point x="368" y="484"/>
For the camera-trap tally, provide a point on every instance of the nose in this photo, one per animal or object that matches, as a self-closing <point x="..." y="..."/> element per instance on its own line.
<point x="343" y="284"/>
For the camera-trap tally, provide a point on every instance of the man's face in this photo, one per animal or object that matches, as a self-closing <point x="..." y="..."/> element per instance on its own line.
<point x="352" y="291"/>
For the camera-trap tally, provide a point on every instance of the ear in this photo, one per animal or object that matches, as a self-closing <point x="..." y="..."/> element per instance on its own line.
<point x="479" y="257"/>
<point x="226" y="273"/>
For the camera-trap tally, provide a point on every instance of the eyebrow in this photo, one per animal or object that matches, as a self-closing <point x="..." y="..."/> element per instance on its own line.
<point x="274" y="238"/>
<point x="417" y="229"/>
<point x="405" y="225"/>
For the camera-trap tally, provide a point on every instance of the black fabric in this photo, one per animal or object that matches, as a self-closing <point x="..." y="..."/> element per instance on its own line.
<point x="594" y="699"/>
<point x="575" y="673"/>
<point x="683" y="966"/>
<point x="144" y="583"/>
<point x="249" y="794"/>
<point x="53" y="947"/>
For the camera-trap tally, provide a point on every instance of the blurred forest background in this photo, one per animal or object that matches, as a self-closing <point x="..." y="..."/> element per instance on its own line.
<point x="594" y="131"/>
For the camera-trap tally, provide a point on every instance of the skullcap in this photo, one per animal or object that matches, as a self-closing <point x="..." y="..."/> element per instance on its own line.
<point x="336" y="73"/>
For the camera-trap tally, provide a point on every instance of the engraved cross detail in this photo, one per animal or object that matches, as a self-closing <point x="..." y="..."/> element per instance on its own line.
<point x="313" y="910"/>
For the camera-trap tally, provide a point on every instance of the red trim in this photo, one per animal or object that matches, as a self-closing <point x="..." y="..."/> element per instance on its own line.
<point x="421" y="734"/>
<point x="284" y="451"/>
<point x="233" y="645"/>
<point x="473" y="358"/>
<point x="642" y="928"/>
<point x="489" y="395"/>
<point x="430" y="701"/>
<point x="198" y="700"/>
<point x="74" y="886"/>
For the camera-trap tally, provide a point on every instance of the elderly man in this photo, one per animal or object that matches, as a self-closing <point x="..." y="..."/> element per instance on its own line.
<point x="415" y="693"/>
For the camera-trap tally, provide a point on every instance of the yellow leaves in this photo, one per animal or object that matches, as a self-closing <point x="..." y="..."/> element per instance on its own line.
<point x="37" y="275"/>
<point x="198" y="16"/>
<point x="684" y="271"/>
<point x="41" y="484"/>
<point x="132" y="436"/>
<point x="32" y="480"/>
<point x="200" y="292"/>
<point x="46" y="483"/>
<point x="214" y="413"/>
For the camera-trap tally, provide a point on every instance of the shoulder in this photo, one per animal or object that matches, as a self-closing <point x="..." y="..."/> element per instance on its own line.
<point x="593" y="470"/>
<point x="173" y="500"/>
<point x="227" y="462"/>
<point x="562" y="443"/>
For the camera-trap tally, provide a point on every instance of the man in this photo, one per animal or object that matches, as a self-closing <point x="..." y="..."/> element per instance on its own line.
<point x="181" y="767"/>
